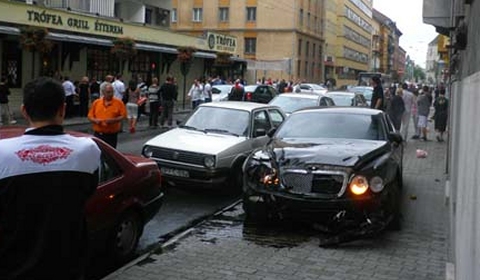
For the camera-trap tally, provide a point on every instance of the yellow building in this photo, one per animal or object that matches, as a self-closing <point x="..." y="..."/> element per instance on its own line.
<point x="279" y="38"/>
<point x="349" y="40"/>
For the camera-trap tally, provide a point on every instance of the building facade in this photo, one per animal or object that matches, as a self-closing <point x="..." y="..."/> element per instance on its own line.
<point x="280" y="39"/>
<point x="432" y="61"/>
<point x="388" y="50"/>
<point x="353" y="42"/>
<point x="458" y="20"/>
<point x="79" y="41"/>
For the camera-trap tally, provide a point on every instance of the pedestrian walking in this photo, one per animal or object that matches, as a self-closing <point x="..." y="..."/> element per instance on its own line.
<point x="207" y="90"/>
<point x="441" y="115"/>
<point x="6" y="116"/>
<point x="168" y="93"/>
<point x="196" y="94"/>
<point x="45" y="181"/>
<point x="154" y="101"/>
<point x="377" y="100"/>
<point x="423" y="105"/>
<point x="408" y="102"/>
<point x="83" y="96"/>
<point x="416" y="129"/>
<point x="133" y="93"/>
<point x="70" y="92"/>
<point x="107" y="114"/>
<point x="397" y="108"/>
<point x="94" y="89"/>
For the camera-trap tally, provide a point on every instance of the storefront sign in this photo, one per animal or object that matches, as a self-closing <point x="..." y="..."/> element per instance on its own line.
<point x="221" y="42"/>
<point x="45" y="17"/>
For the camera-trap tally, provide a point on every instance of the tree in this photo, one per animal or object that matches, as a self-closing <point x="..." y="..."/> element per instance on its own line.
<point x="418" y="73"/>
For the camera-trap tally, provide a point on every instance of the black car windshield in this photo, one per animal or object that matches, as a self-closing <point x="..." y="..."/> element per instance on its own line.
<point x="291" y="103"/>
<point x="342" y="99"/>
<point x="333" y="125"/>
<point x="220" y="119"/>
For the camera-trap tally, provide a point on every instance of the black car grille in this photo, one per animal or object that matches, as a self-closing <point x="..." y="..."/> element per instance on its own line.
<point x="179" y="156"/>
<point x="320" y="183"/>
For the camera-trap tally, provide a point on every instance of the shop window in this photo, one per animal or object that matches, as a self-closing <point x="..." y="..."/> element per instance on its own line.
<point x="148" y="16"/>
<point x="101" y="63"/>
<point x="12" y="63"/>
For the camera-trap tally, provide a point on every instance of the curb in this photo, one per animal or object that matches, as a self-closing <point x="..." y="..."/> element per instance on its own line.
<point x="178" y="234"/>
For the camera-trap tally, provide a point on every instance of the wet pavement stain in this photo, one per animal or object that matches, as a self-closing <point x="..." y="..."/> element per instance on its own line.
<point x="145" y="261"/>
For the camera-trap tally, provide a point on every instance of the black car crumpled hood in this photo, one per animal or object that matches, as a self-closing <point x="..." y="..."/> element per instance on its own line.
<point x="339" y="152"/>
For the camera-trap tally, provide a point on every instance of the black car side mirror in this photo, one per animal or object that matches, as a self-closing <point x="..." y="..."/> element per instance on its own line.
<point x="271" y="132"/>
<point x="395" y="137"/>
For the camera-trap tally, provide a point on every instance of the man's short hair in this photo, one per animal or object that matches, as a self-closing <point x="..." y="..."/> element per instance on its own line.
<point x="376" y="79"/>
<point x="42" y="98"/>
<point x="405" y="86"/>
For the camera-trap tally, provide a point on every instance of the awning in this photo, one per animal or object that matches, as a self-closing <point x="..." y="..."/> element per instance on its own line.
<point x="9" y="30"/>
<point x="204" y="54"/>
<point x="78" y="39"/>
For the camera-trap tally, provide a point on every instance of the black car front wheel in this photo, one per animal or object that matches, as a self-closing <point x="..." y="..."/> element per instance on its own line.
<point x="125" y="236"/>
<point x="255" y="212"/>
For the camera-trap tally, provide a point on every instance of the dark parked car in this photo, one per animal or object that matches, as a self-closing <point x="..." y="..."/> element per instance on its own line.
<point x="344" y="170"/>
<point x="258" y="93"/>
<point x="128" y="195"/>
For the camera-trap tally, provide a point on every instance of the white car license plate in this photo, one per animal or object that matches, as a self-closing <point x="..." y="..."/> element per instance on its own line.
<point x="174" y="172"/>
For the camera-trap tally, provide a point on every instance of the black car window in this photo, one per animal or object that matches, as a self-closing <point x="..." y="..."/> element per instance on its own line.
<point x="261" y="121"/>
<point x="333" y="125"/>
<point x="276" y="117"/>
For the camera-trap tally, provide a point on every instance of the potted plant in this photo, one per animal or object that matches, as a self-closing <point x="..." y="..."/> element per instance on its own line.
<point x="223" y="58"/>
<point x="185" y="54"/>
<point x="34" y="39"/>
<point x="123" y="48"/>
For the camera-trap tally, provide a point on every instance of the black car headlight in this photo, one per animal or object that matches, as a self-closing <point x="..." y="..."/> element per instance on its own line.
<point x="209" y="161"/>
<point x="358" y="185"/>
<point x="147" y="151"/>
<point x="376" y="184"/>
<point x="269" y="177"/>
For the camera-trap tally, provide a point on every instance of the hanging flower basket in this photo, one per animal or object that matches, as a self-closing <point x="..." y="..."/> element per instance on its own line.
<point x="123" y="48"/>
<point x="185" y="54"/>
<point x="35" y="39"/>
<point x="223" y="58"/>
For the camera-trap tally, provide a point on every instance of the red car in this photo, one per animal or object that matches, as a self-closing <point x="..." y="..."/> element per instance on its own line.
<point x="128" y="195"/>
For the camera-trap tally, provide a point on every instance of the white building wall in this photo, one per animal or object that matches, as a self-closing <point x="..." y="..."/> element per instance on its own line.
<point x="131" y="11"/>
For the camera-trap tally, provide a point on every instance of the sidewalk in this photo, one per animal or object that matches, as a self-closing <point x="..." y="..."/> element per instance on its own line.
<point x="418" y="251"/>
<point x="179" y="113"/>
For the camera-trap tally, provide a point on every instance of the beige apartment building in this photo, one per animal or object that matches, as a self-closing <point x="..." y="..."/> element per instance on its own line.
<point x="278" y="38"/>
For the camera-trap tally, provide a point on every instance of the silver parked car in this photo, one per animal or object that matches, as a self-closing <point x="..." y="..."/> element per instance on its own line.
<point x="290" y="102"/>
<point x="209" y="148"/>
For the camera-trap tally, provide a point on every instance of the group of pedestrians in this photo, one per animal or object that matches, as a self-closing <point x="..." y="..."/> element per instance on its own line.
<point x="407" y="103"/>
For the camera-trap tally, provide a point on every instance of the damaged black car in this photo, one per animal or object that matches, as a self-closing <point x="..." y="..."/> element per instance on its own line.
<point x="338" y="167"/>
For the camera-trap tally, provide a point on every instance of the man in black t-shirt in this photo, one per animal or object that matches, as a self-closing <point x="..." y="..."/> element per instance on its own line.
<point x="377" y="100"/>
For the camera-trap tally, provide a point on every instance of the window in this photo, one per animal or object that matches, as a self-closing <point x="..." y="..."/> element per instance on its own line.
<point x="173" y="16"/>
<point x="275" y="117"/>
<point x="300" y="18"/>
<point x="197" y="15"/>
<point x="261" y="124"/>
<point x="313" y="51"/>
<point x="148" y="16"/>
<point x="250" y="45"/>
<point x="108" y="169"/>
<point x="12" y="63"/>
<point x="306" y="69"/>
<point x="299" y="47"/>
<point x="308" y="20"/>
<point x="307" y="51"/>
<point x="223" y="14"/>
<point x="251" y="13"/>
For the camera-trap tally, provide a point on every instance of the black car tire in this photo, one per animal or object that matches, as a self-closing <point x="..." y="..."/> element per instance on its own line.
<point x="254" y="212"/>
<point x="125" y="236"/>
<point x="395" y="223"/>
<point x="235" y="181"/>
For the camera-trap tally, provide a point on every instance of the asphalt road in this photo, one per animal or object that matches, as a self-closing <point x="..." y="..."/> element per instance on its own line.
<point x="183" y="208"/>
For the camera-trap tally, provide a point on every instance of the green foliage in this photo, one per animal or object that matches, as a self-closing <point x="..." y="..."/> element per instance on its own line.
<point x="123" y="47"/>
<point x="34" y="38"/>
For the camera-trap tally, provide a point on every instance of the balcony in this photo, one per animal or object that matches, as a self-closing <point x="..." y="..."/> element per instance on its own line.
<point x="98" y="7"/>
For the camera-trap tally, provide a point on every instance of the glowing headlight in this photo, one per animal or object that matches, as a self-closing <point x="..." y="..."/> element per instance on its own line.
<point x="209" y="161"/>
<point x="358" y="185"/>
<point x="148" y="151"/>
<point x="270" y="178"/>
<point x="376" y="184"/>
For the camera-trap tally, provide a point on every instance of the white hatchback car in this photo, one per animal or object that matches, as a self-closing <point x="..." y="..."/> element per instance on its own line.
<point x="209" y="148"/>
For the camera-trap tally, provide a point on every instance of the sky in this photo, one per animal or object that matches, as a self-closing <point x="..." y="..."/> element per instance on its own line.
<point x="408" y="16"/>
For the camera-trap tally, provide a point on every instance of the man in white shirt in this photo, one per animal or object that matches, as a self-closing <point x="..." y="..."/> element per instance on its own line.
<point x="207" y="91"/>
<point x="69" y="89"/>
<point x="408" y="100"/>
<point x="118" y="87"/>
